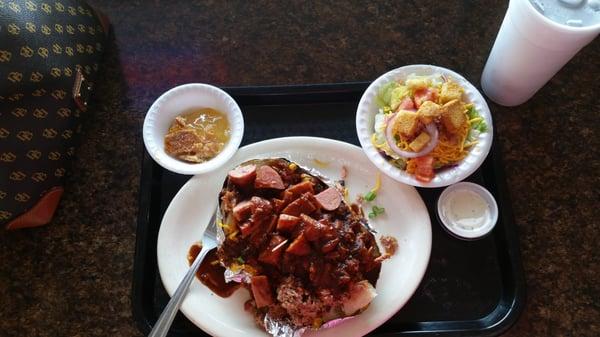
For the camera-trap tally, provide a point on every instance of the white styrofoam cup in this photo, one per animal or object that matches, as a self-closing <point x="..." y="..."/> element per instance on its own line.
<point x="529" y="49"/>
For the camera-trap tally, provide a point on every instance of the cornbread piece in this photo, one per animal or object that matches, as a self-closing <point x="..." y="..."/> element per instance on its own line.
<point x="181" y="142"/>
<point x="454" y="116"/>
<point x="197" y="136"/>
<point x="419" y="143"/>
<point x="450" y="91"/>
<point x="406" y="123"/>
<point x="429" y="111"/>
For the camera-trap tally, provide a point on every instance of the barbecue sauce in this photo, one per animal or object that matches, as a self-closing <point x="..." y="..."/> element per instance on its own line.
<point x="211" y="272"/>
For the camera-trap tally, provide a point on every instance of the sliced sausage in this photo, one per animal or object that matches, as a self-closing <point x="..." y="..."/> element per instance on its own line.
<point x="272" y="254"/>
<point x="261" y="290"/>
<point x="301" y="205"/>
<point x="278" y="205"/>
<point x="267" y="177"/>
<point x="262" y="209"/>
<point x="329" y="199"/>
<point x="243" y="175"/>
<point x="330" y="245"/>
<point x="256" y="209"/>
<point x="247" y="228"/>
<point x="243" y="210"/>
<point x="293" y="192"/>
<point x="299" y="247"/>
<point x="259" y="236"/>
<point x="287" y="223"/>
<point x="299" y="189"/>
<point x="313" y="230"/>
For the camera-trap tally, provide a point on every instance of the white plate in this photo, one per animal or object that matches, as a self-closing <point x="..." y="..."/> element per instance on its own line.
<point x="365" y="118"/>
<point x="406" y="219"/>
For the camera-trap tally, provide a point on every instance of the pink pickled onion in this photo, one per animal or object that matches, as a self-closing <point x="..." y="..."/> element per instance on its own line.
<point x="389" y="137"/>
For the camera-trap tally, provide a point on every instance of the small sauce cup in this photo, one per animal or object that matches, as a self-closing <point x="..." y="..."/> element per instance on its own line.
<point x="467" y="210"/>
<point x="174" y="102"/>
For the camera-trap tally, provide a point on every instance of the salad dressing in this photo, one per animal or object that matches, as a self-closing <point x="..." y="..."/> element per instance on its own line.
<point x="467" y="210"/>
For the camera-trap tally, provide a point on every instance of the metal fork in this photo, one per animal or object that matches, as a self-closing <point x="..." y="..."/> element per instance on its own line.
<point x="209" y="241"/>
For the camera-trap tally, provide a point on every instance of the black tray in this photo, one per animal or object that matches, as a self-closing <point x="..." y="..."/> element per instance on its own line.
<point x="472" y="288"/>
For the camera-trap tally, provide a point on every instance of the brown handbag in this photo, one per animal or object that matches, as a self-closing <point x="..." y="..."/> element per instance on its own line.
<point x="49" y="58"/>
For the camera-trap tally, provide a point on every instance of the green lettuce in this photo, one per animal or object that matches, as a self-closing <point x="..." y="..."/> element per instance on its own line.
<point x="384" y="97"/>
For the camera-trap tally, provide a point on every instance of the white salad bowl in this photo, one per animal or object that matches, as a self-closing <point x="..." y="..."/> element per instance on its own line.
<point x="178" y="100"/>
<point x="365" y="120"/>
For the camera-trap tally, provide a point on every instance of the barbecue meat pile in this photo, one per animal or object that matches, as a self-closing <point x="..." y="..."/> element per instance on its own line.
<point x="310" y="257"/>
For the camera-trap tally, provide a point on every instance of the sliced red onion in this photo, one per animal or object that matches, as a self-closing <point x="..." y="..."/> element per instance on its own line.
<point x="430" y="128"/>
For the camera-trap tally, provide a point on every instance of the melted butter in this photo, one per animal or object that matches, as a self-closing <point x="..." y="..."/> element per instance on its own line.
<point x="467" y="210"/>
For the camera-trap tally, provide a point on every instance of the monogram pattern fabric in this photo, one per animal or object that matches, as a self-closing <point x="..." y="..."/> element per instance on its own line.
<point x="45" y="46"/>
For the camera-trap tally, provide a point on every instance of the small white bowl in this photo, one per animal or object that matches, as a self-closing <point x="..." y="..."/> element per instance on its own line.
<point x="365" y="119"/>
<point x="174" y="102"/>
<point x="448" y="200"/>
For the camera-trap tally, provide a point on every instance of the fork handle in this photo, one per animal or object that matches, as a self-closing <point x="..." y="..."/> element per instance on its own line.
<point x="161" y="328"/>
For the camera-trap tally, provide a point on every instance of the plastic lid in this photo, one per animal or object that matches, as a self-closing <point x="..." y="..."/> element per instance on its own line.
<point x="467" y="210"/>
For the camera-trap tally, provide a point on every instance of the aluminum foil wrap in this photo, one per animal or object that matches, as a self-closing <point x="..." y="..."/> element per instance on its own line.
<point x="283" y="329"/>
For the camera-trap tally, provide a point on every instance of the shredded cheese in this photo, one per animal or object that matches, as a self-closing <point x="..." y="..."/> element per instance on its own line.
<point x="320" y="163"/>
<point x="451" y="148"/>
<point x="233" y="235"/>
<point x="377" y="183"/>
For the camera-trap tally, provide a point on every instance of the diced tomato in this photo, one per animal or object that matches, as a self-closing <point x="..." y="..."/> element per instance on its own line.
<point x="406" y="104"/>
<point x="424" y="168"/>
<point x="426" y="94"/>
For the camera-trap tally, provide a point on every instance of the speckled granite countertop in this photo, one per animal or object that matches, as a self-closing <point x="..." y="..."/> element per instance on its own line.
<point x="73" y="277"/>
